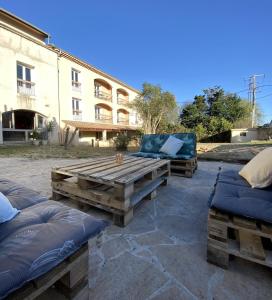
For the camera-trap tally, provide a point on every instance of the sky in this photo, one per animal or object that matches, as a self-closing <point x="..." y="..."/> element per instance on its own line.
<point x="184" y="46"/>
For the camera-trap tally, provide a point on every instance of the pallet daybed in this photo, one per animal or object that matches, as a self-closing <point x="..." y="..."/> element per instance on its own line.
<point x="184" y="163"/>
<point x="45" y="244"/>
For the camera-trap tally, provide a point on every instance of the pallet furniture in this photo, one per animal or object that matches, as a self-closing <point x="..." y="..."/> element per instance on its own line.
<point x="184" y="168"/>
<point x="70" y="278"/>
<point x="184" y="163"/>
<point x="116" y="188"/>
<point x="238" y="236"/>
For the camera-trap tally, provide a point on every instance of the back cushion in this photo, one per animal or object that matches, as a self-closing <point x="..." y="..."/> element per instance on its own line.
<point x="153" y="142"/>
<point x="189" y="146"/>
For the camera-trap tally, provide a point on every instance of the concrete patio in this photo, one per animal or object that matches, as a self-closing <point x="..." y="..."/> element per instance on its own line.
<point x="161" y="254"/>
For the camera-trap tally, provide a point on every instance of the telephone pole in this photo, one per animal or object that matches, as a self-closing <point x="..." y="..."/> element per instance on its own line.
<point x="252" y="96"/>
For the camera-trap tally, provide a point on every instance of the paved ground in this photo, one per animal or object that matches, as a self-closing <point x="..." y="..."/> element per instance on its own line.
<point x="161" y="254"/>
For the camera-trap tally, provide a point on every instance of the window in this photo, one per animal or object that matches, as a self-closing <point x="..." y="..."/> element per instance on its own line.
<point x="76" y="108"/>
<point x="24" y="83"/>
<point x="97" y="112"/>
<point x="96" y="89"/>
<point x="243" y="133"/>
<point x="75" y="80"/>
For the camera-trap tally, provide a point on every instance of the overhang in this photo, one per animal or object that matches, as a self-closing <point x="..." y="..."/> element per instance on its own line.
<point x="88" y="126"/>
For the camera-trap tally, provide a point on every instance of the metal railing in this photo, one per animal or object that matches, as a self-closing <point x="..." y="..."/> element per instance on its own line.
<point x="103" y="95"/>
<point x="122" y="101"/>
<point x="25" y="87"/>
<point x="103" y="118"/>
<point x="76" y="86"/>
<point x="77" y="115"/>
<point x="122" y="120"/>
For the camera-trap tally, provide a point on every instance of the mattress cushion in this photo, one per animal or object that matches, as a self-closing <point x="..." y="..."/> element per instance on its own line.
<point x="19" y="196"/>
<point x="232" y="177"/>
<point x="38" y="239"/>
<point x="243" y="201"/>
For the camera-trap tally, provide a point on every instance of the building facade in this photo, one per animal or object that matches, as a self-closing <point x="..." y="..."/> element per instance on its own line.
<point x="44" y="88"/>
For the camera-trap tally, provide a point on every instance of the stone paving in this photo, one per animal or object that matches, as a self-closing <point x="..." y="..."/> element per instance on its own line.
<point x="161" y="254"/>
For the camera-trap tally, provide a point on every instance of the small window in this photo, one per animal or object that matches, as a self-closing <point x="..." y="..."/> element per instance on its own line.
<point x="76" y="106"/>
<point x="40" y="121"/>
<point x="24" y="80"/>
<point x="243" y="133"/>
<point x="23" y="72"/>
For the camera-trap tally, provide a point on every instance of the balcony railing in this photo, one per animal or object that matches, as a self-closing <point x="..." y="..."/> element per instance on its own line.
<point x="103" y="95"/>
<point x="25" y="87"/>
<point x="76" y="86"/>
<point x="123" y="120"/>
<point x="77" y="115"/>
<point x="103" y="118"/>
<point x="122" y="101"/>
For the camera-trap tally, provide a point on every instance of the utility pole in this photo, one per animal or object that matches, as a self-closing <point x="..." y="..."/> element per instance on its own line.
<point x="252" y="96"/>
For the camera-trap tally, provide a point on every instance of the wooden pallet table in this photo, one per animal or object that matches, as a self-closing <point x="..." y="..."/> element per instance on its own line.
<point x="240" y="237"/>
<point x="185" y="168"/>
<point x="116" y="188"/>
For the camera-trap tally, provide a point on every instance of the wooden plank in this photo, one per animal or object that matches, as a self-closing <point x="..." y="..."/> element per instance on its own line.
<point x="251" y="245"/>
<point x="244" y="223"/>
<point x="100" y="166"/>
<point x="106" y="198"/>
<point x="138" y="174"/>
<point x="134" y="164"/>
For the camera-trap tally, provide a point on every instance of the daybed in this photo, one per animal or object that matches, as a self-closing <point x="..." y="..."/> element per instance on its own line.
<point x="184" y="163"/>
<point x="239" y="221"/>
<point x="45" y="244"/>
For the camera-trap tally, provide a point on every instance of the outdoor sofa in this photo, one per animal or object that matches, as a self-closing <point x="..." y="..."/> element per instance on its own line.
<point x="184" y="163"/>
<point x="239" y="221"/>
<point x="45" y="244"/>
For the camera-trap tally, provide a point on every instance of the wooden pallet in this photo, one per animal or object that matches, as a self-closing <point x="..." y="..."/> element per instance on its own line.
<point x="184" y="168"/>
<point x="238" y="236"/>
<point x="70" y="278"/>
<point x="116" y="188"/>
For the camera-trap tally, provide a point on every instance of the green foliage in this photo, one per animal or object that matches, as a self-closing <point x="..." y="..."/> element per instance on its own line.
<point x="153" y="106"/>
<point x="215" y="112"/>
<point x="121" y="142"/>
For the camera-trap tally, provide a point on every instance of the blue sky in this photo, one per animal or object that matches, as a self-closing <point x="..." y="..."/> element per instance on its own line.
<point x="185" y="46"/>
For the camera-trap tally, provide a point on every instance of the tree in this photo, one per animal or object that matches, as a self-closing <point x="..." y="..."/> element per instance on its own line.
<point x="153" y="106"/>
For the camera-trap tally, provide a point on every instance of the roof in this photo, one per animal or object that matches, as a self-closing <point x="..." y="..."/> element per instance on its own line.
<point x="23" y="22"/>
<point x="79" y="61"/>
<point x="88" y="126"/>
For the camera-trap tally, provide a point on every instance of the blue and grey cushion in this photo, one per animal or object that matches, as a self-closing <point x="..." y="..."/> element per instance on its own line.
<point x="19" y="196"/>
<point x="40" y="238"/>
<point x="234" y="195"/>
<point x="152" y="143"/>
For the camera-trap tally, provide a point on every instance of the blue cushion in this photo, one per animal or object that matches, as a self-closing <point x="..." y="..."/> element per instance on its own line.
<point x="19" y="196"/>
<point x="151" y="143"/>
<point x="232" y="177"/>
<point x="161" y="155"/>
<point x="40" y="238"/>
<point x="243" y="201"/>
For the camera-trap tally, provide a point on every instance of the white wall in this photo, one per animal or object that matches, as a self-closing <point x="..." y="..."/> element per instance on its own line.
<point x="238" y="137"/>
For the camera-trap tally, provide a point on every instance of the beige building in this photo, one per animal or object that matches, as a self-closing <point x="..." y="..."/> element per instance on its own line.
<point x="43" y="87"/>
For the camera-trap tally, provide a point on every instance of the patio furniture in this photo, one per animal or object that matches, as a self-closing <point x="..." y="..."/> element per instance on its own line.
<point x="239" y="222"/>
<point x="116" y="188"/>
<point x="184" y="163"/>
<point x="45" y="244"/>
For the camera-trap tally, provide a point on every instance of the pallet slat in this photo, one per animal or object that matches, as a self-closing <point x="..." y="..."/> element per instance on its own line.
<point x="238" y="236"/>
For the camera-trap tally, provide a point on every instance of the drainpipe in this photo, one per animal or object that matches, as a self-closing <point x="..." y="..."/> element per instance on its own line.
<point x="58" y="58"/>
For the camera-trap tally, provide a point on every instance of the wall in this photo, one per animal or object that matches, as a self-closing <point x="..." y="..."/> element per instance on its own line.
<point x="251" y="134"/>
<point x="264" y="133"/>
<point x="15" y="48"/>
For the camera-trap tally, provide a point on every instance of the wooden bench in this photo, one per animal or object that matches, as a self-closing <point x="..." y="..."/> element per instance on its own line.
<point x="238" y="236"/>
<point x="105" y="184"/>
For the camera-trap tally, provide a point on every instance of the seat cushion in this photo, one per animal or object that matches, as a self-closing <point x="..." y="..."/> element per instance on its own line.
<point x="232" y="177"/>
<point x="161" y="155"/>
<point x="19" y="196"/>
<point x="243" y="201"/>
<point x="38" y="239"/>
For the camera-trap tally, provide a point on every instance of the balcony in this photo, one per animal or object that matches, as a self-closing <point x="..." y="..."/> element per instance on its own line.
<point x="77" y="115"/>
<point x="26" y="88"/>
<point x="122" y="100"/>
<point x="103" y="118"/>
<point x="76" y="86"/>
<point x="103" y="95"/>
<point x="123" y="120"/>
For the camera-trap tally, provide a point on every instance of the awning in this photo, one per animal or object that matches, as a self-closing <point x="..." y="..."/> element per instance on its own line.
<point x="88" y="126"/>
